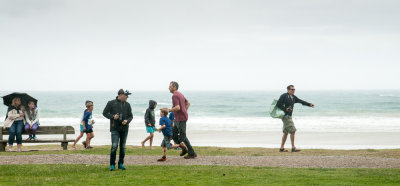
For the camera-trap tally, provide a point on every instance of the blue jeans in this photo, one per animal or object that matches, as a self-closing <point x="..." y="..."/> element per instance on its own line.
<point x="16" y="130"/>
<point x="118" y="137"/>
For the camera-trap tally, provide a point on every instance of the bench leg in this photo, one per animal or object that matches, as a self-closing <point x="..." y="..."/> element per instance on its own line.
<point x="64" y="145"/>
<point x="3" y="146"/>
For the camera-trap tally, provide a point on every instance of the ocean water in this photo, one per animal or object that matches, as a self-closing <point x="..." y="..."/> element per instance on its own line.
<point x="224" y="112"/>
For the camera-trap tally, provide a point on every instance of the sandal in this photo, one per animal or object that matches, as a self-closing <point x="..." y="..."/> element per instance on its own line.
<point x="283" y="150"/>
<point x="296" y="150"/>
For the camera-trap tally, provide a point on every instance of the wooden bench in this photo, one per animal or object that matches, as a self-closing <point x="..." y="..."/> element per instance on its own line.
<point x="42" y="130"/>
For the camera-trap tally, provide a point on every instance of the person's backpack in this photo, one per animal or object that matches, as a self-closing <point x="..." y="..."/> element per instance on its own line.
<point x="276" y="112"/>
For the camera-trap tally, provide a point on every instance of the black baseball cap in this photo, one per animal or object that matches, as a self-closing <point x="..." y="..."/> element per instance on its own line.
<point x="126" y="92"/>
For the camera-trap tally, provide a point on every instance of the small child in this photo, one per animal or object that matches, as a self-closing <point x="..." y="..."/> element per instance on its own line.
<point x="86" y="126"/>
<point x="166" y="128"/>
<point x="150" y="122"/>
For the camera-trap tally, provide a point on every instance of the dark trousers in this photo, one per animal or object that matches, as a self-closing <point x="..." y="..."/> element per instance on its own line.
<point x="118" y="137"/>
<point x="16" y="131"/>
<point x="179" y="135"/>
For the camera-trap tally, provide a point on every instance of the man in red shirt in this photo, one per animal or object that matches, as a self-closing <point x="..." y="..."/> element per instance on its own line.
<point x="180" y="105"/>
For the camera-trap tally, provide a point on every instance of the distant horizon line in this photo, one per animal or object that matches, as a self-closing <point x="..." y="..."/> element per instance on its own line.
<point x="193" y="90"/>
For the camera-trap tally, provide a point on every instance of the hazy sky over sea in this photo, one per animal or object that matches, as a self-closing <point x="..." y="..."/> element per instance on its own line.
<point x="204" y="45"/>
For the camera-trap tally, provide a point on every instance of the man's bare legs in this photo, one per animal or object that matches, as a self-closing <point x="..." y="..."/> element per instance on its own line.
<point x="284" y="137"/>
<point x="292" y="140"/>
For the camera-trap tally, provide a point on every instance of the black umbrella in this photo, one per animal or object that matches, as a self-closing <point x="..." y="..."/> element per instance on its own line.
<point x="25" y="98"/>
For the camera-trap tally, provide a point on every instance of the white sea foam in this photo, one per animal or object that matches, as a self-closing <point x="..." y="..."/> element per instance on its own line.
<point x="388" y="95"/>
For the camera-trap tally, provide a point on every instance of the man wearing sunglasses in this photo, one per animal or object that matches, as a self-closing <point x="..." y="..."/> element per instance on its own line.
<point x="119" y="112"/>
<point x="286" y="103"/>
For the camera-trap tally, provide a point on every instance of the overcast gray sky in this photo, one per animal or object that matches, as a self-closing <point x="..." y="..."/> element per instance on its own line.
<point x="204" y="45"/>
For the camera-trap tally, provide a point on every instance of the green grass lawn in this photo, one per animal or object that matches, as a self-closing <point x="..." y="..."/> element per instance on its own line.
<point x="207" y="151"/>
<point x="191" y="175"/>
<point x="195" y="175"/>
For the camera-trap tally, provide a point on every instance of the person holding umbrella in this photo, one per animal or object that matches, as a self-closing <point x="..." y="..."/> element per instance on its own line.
<point x="15" y="116"/>
<point x="15" y="123"/>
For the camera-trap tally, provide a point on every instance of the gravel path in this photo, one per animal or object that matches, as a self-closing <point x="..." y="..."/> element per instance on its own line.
<point x="269" y="161"/>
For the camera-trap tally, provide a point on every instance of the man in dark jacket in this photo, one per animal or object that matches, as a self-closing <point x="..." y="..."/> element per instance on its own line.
<point x="286" y="103"/>
<point x="119" y="112"/>
<point x="150" y="123"/>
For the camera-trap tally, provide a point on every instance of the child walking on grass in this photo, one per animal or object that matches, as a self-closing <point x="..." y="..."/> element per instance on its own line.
<point x="166" y="129"/>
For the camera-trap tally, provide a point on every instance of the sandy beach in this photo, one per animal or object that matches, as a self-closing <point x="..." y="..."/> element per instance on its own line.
<point x="309" y="140"/>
